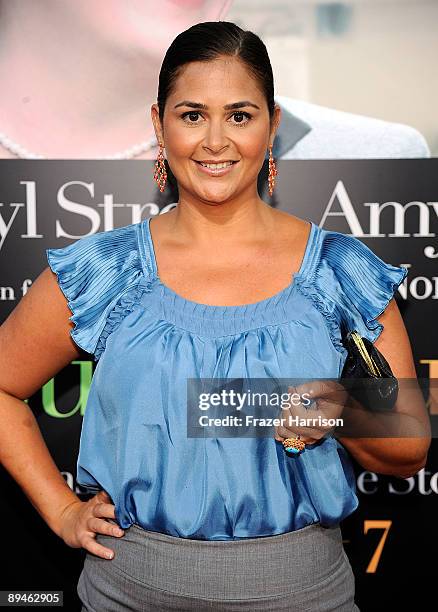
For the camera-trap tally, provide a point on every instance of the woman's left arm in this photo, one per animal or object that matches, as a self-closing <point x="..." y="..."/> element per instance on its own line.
<point x="401" y="457"/>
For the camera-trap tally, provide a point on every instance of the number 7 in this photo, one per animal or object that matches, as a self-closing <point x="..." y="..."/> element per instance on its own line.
<point x="385" y="525"/>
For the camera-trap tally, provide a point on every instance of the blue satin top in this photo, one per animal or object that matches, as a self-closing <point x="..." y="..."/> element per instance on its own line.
<point x="147" y="340"/>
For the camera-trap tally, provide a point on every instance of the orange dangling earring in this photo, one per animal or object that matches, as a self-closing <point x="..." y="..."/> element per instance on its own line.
<point x="160" y="174"/>
<point x="272" y="172"/>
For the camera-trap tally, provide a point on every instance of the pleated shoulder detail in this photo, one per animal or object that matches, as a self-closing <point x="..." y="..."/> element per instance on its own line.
<point x="351" y="285"/>
<point x="100" y="277"/>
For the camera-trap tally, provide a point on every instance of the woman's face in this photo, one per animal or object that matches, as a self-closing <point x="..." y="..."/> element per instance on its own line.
<point x="199" y="125"/>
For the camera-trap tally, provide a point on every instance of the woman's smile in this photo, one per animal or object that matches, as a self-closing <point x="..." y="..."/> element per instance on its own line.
<point x="215" y="168"/>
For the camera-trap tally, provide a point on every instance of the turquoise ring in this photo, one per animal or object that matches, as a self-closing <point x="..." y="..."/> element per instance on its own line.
<point x="293" y="446"/>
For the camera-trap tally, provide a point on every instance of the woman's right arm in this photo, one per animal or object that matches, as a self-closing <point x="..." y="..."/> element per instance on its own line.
<point x="35" y="344"/>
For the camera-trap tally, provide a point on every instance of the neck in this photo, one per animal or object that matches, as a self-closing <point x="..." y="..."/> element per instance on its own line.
<point x="237" y="218"/>
<point x="65" y="89"/>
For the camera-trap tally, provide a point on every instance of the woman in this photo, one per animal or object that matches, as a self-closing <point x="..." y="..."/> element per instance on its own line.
<point x="222" y="286"/>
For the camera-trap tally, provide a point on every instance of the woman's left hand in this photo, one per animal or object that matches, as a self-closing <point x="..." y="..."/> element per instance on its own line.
<point x="328" y="401"/>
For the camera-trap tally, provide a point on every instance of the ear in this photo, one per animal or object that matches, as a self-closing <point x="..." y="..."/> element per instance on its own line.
<point x="275" y="123"/>
<point x="157" y="123"/>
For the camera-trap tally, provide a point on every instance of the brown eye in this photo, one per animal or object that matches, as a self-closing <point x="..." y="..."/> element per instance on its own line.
<point x="240" y="116"/>
<point x="192" y="115"/>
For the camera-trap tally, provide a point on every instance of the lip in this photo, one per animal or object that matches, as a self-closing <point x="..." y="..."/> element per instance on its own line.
<point x="211" y="172"/>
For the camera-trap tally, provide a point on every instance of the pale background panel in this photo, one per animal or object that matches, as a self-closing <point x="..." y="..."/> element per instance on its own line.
<point x="371" y="57"/>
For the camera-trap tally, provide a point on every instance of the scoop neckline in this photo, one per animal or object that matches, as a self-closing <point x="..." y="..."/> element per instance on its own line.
<point x="225" y="308"/>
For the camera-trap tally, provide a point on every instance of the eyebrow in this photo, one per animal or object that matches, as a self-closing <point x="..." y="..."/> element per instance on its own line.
<point x="232" y="106"/>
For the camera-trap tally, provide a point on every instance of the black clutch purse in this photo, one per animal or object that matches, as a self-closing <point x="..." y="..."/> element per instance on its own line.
<point x="367" y="375"/>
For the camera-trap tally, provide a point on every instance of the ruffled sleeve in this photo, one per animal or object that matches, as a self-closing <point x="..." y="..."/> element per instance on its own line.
<point x="94" y="273"/>
<point x="352" y="286"/>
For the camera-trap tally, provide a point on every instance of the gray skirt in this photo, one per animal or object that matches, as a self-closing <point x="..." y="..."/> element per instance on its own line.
<point x="303" y="570"/>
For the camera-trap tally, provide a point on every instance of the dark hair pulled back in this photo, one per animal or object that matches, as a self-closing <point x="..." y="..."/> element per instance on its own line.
<point x="207" y="41"/>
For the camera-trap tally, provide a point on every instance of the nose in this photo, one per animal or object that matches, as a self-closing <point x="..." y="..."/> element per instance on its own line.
<point x="215" y="140"/>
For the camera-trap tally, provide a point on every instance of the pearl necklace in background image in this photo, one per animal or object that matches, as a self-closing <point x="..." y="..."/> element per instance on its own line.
<point x="23" y="153"/>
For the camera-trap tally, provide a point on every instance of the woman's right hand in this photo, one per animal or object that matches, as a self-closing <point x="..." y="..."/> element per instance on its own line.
<point x="81" y="521"/>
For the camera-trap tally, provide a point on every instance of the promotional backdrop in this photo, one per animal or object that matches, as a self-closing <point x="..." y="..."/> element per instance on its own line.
<point x="389" y="204"/>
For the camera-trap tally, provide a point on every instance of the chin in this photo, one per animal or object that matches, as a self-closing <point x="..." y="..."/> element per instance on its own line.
<point x="215" y="198"/>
